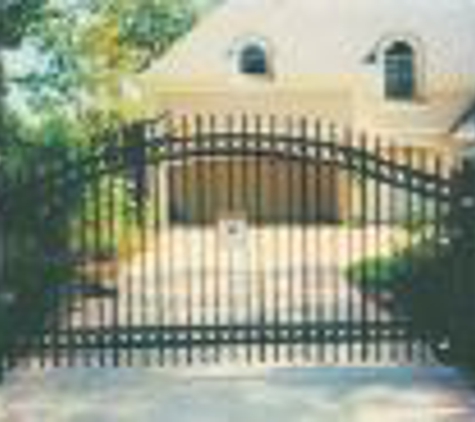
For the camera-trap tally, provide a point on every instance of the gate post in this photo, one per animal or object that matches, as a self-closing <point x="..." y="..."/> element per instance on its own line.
<point x="461" y="227"/>
<point x="135" y="150"/>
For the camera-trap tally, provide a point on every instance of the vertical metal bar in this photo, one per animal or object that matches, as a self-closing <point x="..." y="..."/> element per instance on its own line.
<point x="44" y="233"/>
<point x="11" y="296"/>
<point x="348" y="291"/>
<point x="183" y="301"/>
<point x="257" y="275"/>
<point x="163" y="201"/>
<point x="273" y="223"/>
<point x="242" y="273"/>
<point x="46" y="336"/>
<point x="304" y="222"/>
<point x="105" y="258"/>
<point x="289" y="331"/>
<point x="436" y="216"/>
<point x="410" y="331"/>
<point x="438" y="233"/>
<point x="176" y="255"/>
<point x="392" y="321"/>
<point x="377" y="301"/>
<point x="239" y="254"/>
<point x="363" y="146"/>
<point x="128" y="250"/>
<point x="262" y="281"/>
<point x="80" y="320"/>
<point x="334" y="243"/>
<point x="52" y="255"/>
<point x="140" y="257"/>
<point x="201" y="162"/>
<point x="200" y="258"/>
<point x="319" y="317"/>
<point x="229" y="183"/>
<point x="19" y="298"/>
<point x="423" y="338"/>
<point x="26" y="297"/>
<point x="16" y="302"/>
<point x="168" y="231"/>
<point x="68" y="170"/>
<point x="96" y="262"/>
<point x="112" y="212"/>
<point x="179" y="267"/>
<point x="157" y="156"/>
<point x="249" y="275"/>
<point x="15" y="236"/>
<point x="38" y="185"/>
<point x="462" y="308"/>
<point x="216" y="250"/>
<point x="456" y="225"/>
<point x="27" y="196"/>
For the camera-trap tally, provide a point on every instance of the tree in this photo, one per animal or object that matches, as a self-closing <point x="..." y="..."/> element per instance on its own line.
<point x="91" y="48"/>
<point x="16" y="16"/>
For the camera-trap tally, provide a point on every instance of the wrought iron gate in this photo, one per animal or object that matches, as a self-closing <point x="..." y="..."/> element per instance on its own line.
<point x="206" y="239"/>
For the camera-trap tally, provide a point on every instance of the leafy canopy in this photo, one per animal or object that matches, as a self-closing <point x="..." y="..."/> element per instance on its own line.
<point x="88" y="48"/>
<point x="15" y="19"/>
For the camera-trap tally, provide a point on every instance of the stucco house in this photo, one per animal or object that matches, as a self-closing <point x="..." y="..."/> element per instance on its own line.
<point x="404" y="70"/>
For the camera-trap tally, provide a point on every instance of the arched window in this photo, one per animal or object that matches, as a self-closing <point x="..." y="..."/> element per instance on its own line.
<point x="253" y="60"/>
<point x="399" y="71"/>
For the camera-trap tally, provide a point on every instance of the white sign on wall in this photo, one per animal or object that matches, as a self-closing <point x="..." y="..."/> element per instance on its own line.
<point x="233" y="230"/>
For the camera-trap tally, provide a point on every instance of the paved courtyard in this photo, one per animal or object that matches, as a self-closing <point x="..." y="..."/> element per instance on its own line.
<point x="238" y="394"/>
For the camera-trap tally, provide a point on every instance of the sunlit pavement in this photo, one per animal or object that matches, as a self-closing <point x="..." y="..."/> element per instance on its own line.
<point x="238" y="394"/>
<point x="201" y="276"/>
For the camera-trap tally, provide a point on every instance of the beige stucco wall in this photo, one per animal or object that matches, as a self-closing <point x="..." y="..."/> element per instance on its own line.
<point x="426" y="120"/>
<point x="221" y="97"/>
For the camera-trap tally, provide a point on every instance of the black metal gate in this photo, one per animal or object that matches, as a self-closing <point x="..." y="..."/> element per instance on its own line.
<point x="206" y="239"/>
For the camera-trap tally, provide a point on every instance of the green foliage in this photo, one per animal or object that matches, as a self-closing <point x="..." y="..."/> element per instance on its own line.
<point x="104" y="217"/>
<point x="151" y="26"/>
<point x="386" y="272"/>
<point x="16" y="16"/>
<point x="85" y="50"/>
<point x="89" y="49"/>
<point x="430" y="284"/>
<point x="379" y="273"/>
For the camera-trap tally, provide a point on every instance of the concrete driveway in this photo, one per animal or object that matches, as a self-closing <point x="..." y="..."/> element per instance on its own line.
<point x="296" y="267"/>
<point x="196" y="276"/>
<point x="238" y="394"/>
<point x="189" y="275"/>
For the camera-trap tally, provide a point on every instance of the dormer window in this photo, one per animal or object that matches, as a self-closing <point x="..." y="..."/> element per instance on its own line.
<point x="253" y="60"/>
<point x="399" y="69"/>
